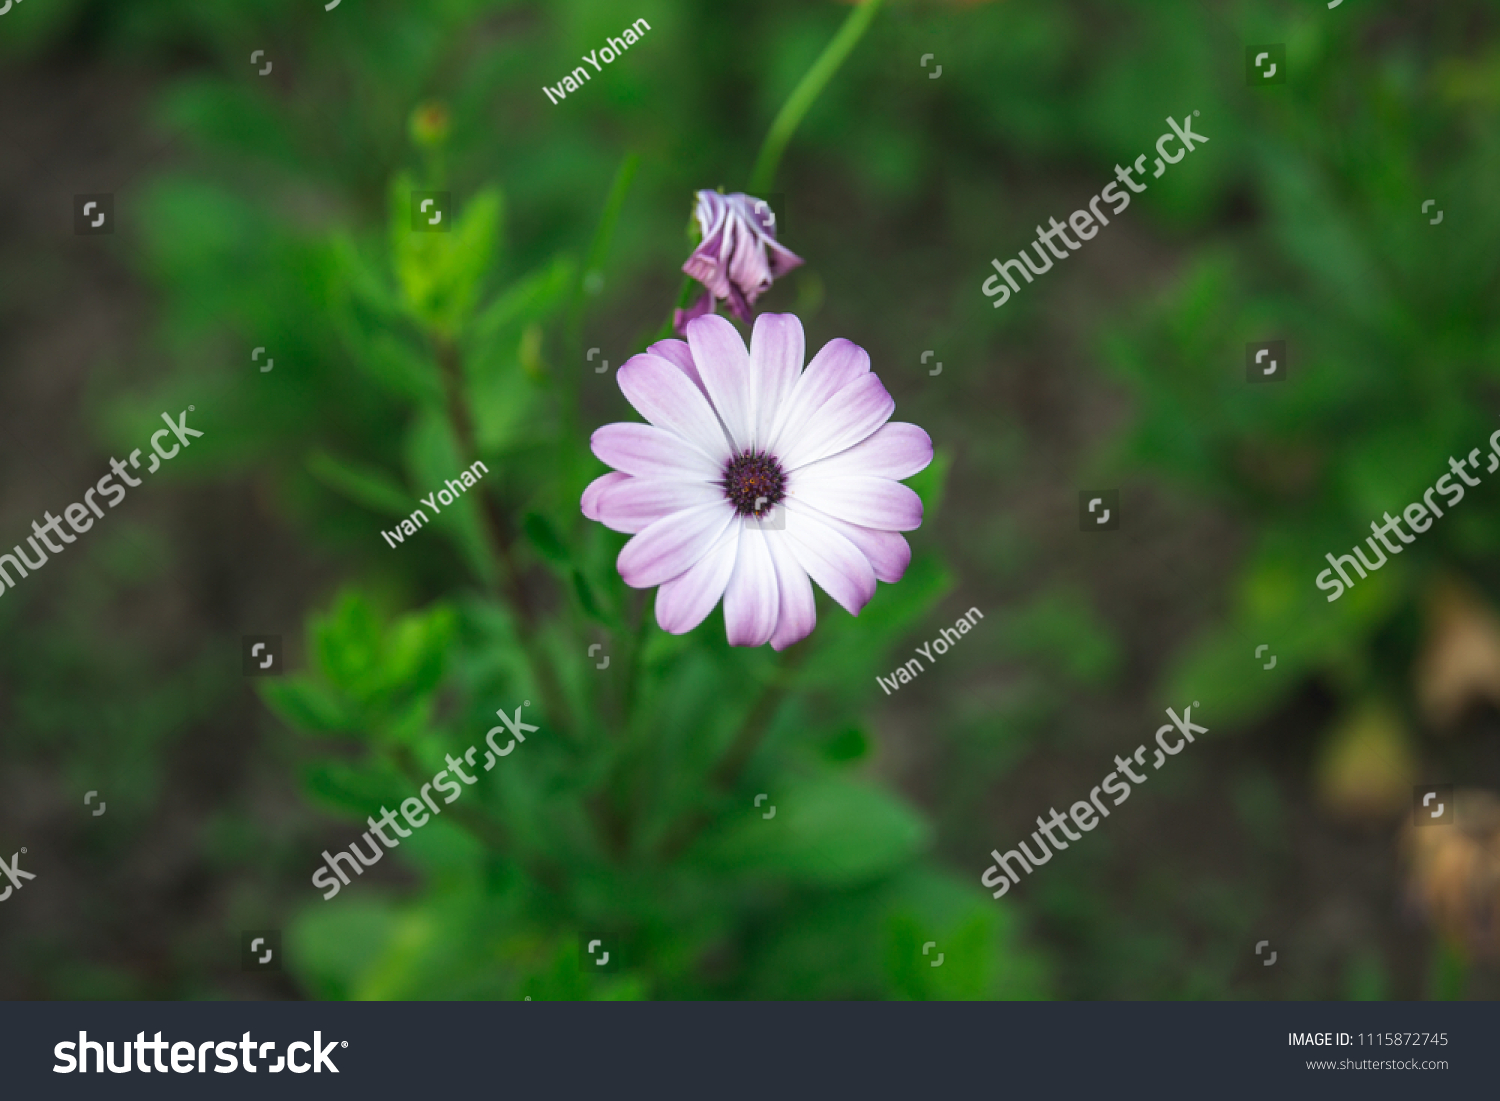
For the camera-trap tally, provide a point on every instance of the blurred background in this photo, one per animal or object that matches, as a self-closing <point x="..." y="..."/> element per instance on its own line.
<point x="271" y="211"/>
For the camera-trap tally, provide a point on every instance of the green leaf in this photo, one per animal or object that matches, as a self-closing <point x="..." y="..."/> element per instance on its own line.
<point x="964" y="955"/>
<point x="392" y="362"/>
<point x="440" y="273"/>
<point x="977" y="941"/>
<point x="532" y="298"/>
<point x="828" y="832"/>
<point x="305" y="705"/>
<point x="378" y="666"/>
<point x="415" y="648"/>
<point x="362" y="279"/>
<point x="545" y="539"/>
<point x="593" y="272"/>
<point x="849" y="744"/>
<point x="333" y="945"/>
<point x="588" y="601"/>
<point x="354" y="789"/>
<point x="346" y="644"/>
<point x="372" y="488"/>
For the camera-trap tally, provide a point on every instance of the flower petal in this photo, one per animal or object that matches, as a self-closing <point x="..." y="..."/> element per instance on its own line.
<point x="751" y="599"/>
<point x="847" y="418"/>
<point x="739" y="303"/>
<point x="782" y="259"/>
<point x="748" y="269"/>
<point x="703" y="304"/>
<point x="685" y="601"/>
<point x="596" y="489"/>
<point x="672" y="545"/>
<point x="776" y="351"/>
<point x="896" y="450"/>
<point x="707" y="262"/>
<point x="703" y="265"/>
<point x="832" y="560"/>
<point x="888" y="551"/>
<point x="637" y="503"/>
<point x="678" y="352"/>
<point x="798" y="613"/>
<point x="662" y="394"/>
<point x="837" y="364"/>
<point x="725" y="366"/>
<point x="651" y="452"/>
<point x="710" y="210"/>
<point x="857" y="499"/>
<point x="757" y="212"/>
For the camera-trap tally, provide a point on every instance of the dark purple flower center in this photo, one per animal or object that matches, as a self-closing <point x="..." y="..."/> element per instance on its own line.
<point x="754" y="483"/>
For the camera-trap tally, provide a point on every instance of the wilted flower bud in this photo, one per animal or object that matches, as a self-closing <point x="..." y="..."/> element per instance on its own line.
<point x="738" y="257"/>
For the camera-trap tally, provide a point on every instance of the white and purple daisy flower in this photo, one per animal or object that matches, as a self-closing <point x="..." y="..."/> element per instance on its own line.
<point x="755" y="475"/>
<point x="738" y="256"/>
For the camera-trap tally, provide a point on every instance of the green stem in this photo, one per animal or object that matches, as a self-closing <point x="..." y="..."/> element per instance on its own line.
<point x="508" y="582"/>
<point x="751" y="733"/>
<point x="690" y="290"/>
<point x="789" y="118"/>
<point x="807" y="92"/>
<point x="633" y="663"/>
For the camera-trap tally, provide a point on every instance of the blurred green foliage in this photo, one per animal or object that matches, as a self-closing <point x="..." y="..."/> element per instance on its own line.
<point x="402" y="357"/>
<point x="1393" y="345"/>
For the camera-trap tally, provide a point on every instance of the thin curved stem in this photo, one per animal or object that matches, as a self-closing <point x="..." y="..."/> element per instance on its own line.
<point x="807" y="92"/>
